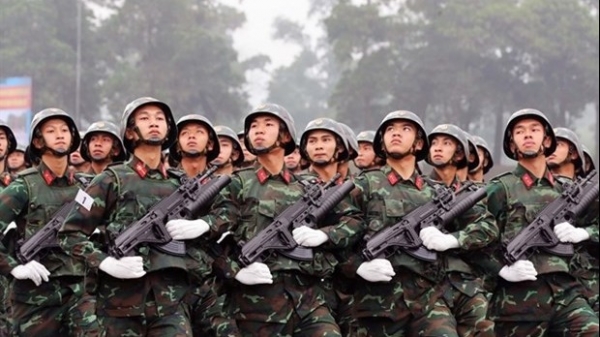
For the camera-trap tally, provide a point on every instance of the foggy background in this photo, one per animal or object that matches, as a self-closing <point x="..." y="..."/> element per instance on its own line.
<point x="471" y="63"/>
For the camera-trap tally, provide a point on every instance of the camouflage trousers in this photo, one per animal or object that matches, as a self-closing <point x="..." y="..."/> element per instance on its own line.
<point x="208" y="314"/>
<point x="340" y="304"/>
<point x="590" y="281"/>
<point x="550" y="306"/>
<point x="55" y="308"/>
<point x="4" y="307"/>
<point x="151" y="324"/>
<point x="292" y="306"/>
<point x="467" y="299"/>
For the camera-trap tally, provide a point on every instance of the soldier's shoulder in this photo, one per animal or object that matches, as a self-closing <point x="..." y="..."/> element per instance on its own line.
<point x="504" y="177"/>
<point x="175" y="173"/>
<point x="27" y="172"/>
<point x="368" y="170"/>
<point x="84" y="178"/>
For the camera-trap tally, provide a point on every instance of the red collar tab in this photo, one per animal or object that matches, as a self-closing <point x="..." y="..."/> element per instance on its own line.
<point x="419" y="182"/>
<point x="7" y="180"/>
<point x="141" y="169"/>
<point x="392" y="177"/>
<point x="550" y="178"/>
<point x="262" y="175"/>
<point x="527" y="180"/>
<point x="287" y="176"/>
<point x="48" y="176"/>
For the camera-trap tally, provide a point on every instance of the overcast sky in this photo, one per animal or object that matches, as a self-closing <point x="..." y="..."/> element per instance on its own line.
<point x="255" y="37"/>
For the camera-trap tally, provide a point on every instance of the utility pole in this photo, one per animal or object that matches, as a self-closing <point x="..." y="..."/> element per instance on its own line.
<point x="78" y="66"/>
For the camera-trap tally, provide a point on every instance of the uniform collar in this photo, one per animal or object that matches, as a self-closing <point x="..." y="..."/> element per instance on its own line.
<point x="456" y="184"/>
<point x="263" y="175"/>
<point x="529" y="180"/>
<point x="339" y="181"/>
<point x="393" y="177"/>
<point x="143" y="170"/>
<point x="50" y="177"/>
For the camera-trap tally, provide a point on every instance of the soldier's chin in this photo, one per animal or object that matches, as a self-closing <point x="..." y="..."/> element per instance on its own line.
<point x="530" y="154"/>
<point x="438" y="163"/>
<point x="553" y="165"/>
<point x="61" y="151"/>
<point x="321" y="163"/>
<point x="99" y="158"/>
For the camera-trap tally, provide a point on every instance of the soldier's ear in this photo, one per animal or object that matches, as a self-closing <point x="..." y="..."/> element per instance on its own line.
<point x="547" y="142"/>
<point x="419" y="144"/>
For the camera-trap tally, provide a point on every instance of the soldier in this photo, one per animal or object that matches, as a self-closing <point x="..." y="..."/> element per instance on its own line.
<point x="402" y="295"/>
<point x="143" y="294"/>
<point x="249" y="158"/>
<point x="472" y="158"/>
<point x="515" y="198"/>
<point x="76" y="161"/>
<point x="231" y="154"/>
<point x="322" y="144"/>
<point x="16" y="161"/>
<point x="8" y="144"/>
<point x="46" y="295"/>
<point x="101" y="146"/>
<point x="292" y="161"/>
<point x="589" y="162"/>
<point x="485" y="161"/>
<point x="258" y="304"/>
<point x="366" y="158"/>
<point x="568" y="159"/>
<point x="352" y="145"/>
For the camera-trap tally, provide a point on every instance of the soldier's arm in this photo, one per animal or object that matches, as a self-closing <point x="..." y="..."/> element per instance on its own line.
<point x="349" y="229"/>
<point x="590" y="220"/>
<point x="476" y="228"/>
<point x="221" y="216"/>
<point x="13" y="199"/>
<point x="80" y="223"/>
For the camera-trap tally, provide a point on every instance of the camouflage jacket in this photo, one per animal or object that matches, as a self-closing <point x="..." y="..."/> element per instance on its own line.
<point x="31" y="201"/>
<point x="387" y="198"/>
<point x="261" y="196"/>
<point x="122" y="194"/>
<point x="515" y="198"/>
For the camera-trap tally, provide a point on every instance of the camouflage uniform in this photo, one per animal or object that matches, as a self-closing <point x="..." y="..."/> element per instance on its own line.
<point x="293" y="305"/>
<point x="552" y="304"/>
<point x="59" y="306"/>
<point x="423" y="297"/>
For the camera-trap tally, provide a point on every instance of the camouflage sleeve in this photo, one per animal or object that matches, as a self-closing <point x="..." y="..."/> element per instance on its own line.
<point x="12" y="201"/>
<point x="590" y="221"/>
<point x="492" y="259"/>
<point x="477" y="228"/>
<point x="221" y="215"/>
<point x="81" y="222"/>
<point x="350" y="226"/>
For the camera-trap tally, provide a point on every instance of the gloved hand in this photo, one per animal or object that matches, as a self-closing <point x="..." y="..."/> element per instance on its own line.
<point x="308" y="237"/>
<point x="181" y="229"/>
<point x="10" y="227"/>
<point x="569" y="233"/>
<point x="377" y="270"/>
<point x="33" y="271"/>
<point x="255" y="273"/>
<point x="434" y="239"/>
<point x="522" y="270"/>
<point x="127" y="267"/>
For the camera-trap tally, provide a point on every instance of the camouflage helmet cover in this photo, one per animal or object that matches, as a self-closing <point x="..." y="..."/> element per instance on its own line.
<point x="51" y="113"/>
<point x="326" y="124"/>
<point x="519" y="115"/>
<point x="174" y="153"/>
<point x="138" y="103"/>
<point x="102" y="127"/>
<point x="225" y="131"/>
<point x="277" y="111"/>
<point x="406" y="116"/>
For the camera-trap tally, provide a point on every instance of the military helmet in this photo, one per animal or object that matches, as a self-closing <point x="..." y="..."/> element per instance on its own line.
<point x="277" y="111"/>
<point x="350" y="137"/>
<point x="587" y="158"/>
<point x="139" y="102"/>
<point x="326" y="124"/>
<point x="401" y="115"/>
<point x="366" y="136"/>
<point x="10" y="136"/>
<point x="472" y="149"/>
<point x="571" y="137"/>
<point x="527" y="113"/>
<point x="456" y="133"/>
<point x="480" y="142"/>
<point x="102" y="127"/>
<point x="44" y="115"/>
<point x="175" y="154"/>
<point x="225" y="131"/>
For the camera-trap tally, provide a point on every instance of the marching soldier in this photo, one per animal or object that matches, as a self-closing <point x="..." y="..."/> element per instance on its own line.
<point x="231" y="154"/>
<point x="366" y="158"/>
<point x="485" y="161"/>
<point x="101" y="146"/>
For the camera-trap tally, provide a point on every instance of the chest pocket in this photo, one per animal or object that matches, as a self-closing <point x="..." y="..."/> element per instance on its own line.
<point x="521" y="214"/>
<point x="394" y="211"/>
<point x="127" y="208"/>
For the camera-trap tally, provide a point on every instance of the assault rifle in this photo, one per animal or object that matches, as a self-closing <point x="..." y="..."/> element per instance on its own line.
<point x="184" y="203"/>
<point x="404" y="235"/>
<point x="46" y="237"/>
<point x="316" y="202"/>
<point x="574" y="199"/>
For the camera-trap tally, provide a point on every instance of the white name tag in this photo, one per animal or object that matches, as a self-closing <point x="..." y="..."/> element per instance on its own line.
<point x="84" y="199"/>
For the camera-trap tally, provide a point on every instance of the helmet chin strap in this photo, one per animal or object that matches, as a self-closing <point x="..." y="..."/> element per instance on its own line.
<point x="529" y="155"/>
<point x="267" y="149"/>
<point x="142" y="140"/>
<point x="195" y="154"/>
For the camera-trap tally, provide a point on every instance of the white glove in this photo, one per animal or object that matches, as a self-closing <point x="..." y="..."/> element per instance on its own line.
<point x="255" y="273"/>
<point x="33" y="271"/>
<point x="127" y="267"/>
<point x="308" y="237"/>
<point x="522" y="270"/>
<point x="181" y="229"/>
<point x="377" y="270"/>
<point x="569" y="233"/>
<point x="434" y="239"/>
<point x="10" y="226"/>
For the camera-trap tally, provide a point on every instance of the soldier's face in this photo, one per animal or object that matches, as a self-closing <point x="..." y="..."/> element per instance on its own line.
<point x="151" y="122"/>
<point x="15" y="160"/>
<point x="528" y="136"/>
<point x="248" y="157"/>
<point x="56" y="135"/>
<point x="264" y="132"/>
<point x="292" y="161"/>
<point x="366" y="155"/>
<point x="442" y="149"/>
<point x="226" y="151"/>
<point x="193" y="138"/>
<point x="100" y="146"/>
<point x="321" y="146"/>
<point x="561" y="155"/>
<point x="482" y="159"/>
<point x="399" y="137"/>
<point x="3" y="143"/>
